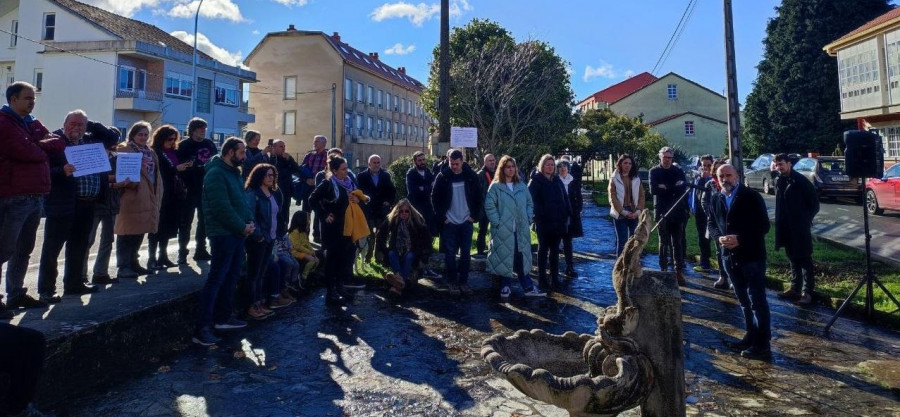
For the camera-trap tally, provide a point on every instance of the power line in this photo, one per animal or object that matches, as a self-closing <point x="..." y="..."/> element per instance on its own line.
<point x="675" y="34"/>
<point x="678" y="36"/>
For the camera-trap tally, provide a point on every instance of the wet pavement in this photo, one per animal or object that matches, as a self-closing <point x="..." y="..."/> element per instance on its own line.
<point x="420" y="356"/>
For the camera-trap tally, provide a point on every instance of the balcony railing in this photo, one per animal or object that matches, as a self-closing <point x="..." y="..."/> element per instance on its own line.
<point x="148" y="95"/>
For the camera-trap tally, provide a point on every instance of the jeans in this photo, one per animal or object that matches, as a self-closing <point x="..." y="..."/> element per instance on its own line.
<point x="749" y="280"/>
<point x="672" y="241"/>
<point x="22" y="353"/>
<point x="802" y="277"/>
<point x="259" y="254"/>
<point x="194" y="203"/>
<point x="20" y="217"/>
<point x="700" y="222"/>
<point x="457" y="238"/>
<point x="290" y="268"/>
<point x="624" y="229"/>
<point x="72" y="231"/>
<point x="403" y="267"/>
<point x="518" y="268"/>
<point x="217" y="295"/>
<point x="548" y="244"/>
<point x="104" y="251"/>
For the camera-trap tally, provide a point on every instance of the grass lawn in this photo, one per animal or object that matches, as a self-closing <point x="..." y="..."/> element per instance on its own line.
<point x="838" y="269"/>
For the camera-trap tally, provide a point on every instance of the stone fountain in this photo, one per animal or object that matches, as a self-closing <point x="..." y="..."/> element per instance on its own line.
<point x="635" y="358"/>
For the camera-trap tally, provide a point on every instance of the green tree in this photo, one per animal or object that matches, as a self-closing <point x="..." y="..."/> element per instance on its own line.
<point x="794" y="105"/>
<point x="517" y="94"/>
<point x="603" y="133"/>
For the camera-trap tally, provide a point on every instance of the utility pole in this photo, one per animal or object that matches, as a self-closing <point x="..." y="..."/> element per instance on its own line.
<point x="333" y="116"/>
<point x="734" y="113"/>
<point x="444" y="75"/>
<point x="194" y="62"/>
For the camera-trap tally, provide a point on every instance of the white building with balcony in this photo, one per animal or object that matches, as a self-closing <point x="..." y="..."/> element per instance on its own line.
<point x="116" y="69"/>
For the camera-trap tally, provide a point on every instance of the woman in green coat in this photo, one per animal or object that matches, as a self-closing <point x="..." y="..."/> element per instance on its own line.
<point x="509" y="209"/>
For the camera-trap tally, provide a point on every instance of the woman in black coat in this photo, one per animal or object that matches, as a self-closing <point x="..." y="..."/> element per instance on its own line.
<point x="330" y="200"/>
<point x="573" y="191"/>
<point x="552" y="213"/>
<point x="174" y="194"/>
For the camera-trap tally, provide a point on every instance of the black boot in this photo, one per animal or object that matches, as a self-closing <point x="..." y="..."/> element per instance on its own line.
<point x="163" y="260"/>
<point x="182" y="256"/>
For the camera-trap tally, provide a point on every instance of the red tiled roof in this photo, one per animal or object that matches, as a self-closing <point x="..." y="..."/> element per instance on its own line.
<point x="374" y="65"/>
<point x="893" y="14"/>
<point x="623" y="89"/>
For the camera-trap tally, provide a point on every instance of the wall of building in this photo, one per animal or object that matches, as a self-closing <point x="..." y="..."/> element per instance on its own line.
<point x="710" y="137"/>
<point x="653" y="101"/>
<point x="94" y="91"/>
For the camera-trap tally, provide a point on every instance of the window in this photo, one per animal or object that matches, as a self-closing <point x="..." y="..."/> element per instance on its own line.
<point x="689" y="128"/>
<point x="672" y="90"/>
<point x="387" y="102"/>
<point x="359" y="124"/>
<point x="379" y="127"/>
<point x="380" y="98"/>
<point x="398" y="130"/>
<point x="403" y="107"/>
<point x="140" y="83"/>
<point x="348" y="123"/>
<point x="360" y="93"/>
<point x="126" y="78"/>
<point x="178" y="85"/>
<point x="38" y="79"/>
<point x="204" y="92"/>
<point x="10" y="77"/>
<point x="348" y="89"/>
<point x="227" y="95"/>
<point x="370" y="126"/>
<point x="13" y="34"/>
<point x="49" y="26"/>
<point x="397" y="104"/>
<point x="290" y="123"/>
<point x="290" y="88"/>
<point x="387" y="130"/>
<point x="371" y="95"/>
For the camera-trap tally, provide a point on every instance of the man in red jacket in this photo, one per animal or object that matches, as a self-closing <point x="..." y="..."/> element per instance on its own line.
<point x="24" y="181"/>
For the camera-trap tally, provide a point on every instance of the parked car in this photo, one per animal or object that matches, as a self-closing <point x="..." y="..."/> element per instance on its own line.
<point x="760" y="174"/>
<point x="884" y="193"/>
<point x="829" y="175"/>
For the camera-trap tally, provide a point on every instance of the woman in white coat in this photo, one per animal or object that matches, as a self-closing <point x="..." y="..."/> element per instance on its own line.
<point x="626" y="200"/>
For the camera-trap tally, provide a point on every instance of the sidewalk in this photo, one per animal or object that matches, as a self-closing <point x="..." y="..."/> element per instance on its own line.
<point x="125" y="351"/>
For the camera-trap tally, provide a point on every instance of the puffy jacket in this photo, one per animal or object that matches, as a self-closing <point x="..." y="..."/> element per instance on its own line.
<point x="442" y="193"/>
<point x="24" y="162"/>
<point x="552" y="210"/>
<point x="225" y="206"/>
<point x="507" y="211"/>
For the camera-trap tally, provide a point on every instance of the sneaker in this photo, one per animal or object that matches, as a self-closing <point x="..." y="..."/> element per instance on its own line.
<point x="721" y="283"/>
<point x="742" y="344"/>
<point x="429" y="273"/>
<point x="286" y="293"/>
<point x="50" y="298"/>
<point x="805" y="299"/>
<point x="103" y="279"/>
<point x="266" y="310"/>
<point x="231" y="323"/>
<point x="126" y="273"/>
<point x="255" y="313"/>
<point x="395" y="280"/>
<point x="758" y="353"/>
<point x="454" y="289"/>
<point x="701" y="268"/>
<point x="535" y="292"/>
<point x="202" y="255"/>
<point x="205" y="337"/>
<point x="280" y="302"/>
<point x="789" y="294"/>
<point x="504" y="293"/>
<point x="80" y="290"/>
<point x="466" y="289"/>
<point x="26" y="301"/>
<point x="141" y="270"/>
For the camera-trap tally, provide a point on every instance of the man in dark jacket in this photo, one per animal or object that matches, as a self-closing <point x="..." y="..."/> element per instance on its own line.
<point x="485" y="176"/>
<point x="198" y="149"/>
<point x="419" y="182"/>
<point x="456" y="198"/>
<point x="70" y="209"/>
<point x="796" y="203"/>
<point x="696" y="203"/>
<point x="24" y="182"/>
<point x="667" y="185"/>
<point x="229" y="221"/>
<point x="738" y="220"/>
<point x="377" y="184"/>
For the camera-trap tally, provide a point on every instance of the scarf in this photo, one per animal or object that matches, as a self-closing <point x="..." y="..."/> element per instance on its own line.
<point x="404" y="242"/>
<point x="566" y="180"/>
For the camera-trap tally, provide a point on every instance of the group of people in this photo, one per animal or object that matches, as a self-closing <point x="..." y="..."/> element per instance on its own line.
<point x="735" y="220"/>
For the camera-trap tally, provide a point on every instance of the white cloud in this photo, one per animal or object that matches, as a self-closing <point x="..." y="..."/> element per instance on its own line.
<point x="206" y="46"/>
<point x="212" y="9"/>
<point x="255" y="32"/>
<point x="290" y="3"/>
<point x="125" y="8"/>
<point x="399" y="49"/>
<point x="604" y="70"/>
<point x="417" y="13"/>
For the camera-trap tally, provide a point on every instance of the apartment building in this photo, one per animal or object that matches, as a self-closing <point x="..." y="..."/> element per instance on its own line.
<point x="311" y="83"/>
<point x="116" y="69"/>
<point x="688" y="115"/>
<point x="868" y="61"/>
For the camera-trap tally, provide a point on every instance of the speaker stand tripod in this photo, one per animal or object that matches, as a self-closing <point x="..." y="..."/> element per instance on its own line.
<point x="868" y="280"/>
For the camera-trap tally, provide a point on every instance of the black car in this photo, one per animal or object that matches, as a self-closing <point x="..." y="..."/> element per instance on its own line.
<point x="829" y="175"/>
<point x="761" y="173"/>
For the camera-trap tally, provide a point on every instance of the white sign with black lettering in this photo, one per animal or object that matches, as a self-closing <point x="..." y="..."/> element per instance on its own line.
<point x="87" y="159"/>
<point x="464" y="137"/>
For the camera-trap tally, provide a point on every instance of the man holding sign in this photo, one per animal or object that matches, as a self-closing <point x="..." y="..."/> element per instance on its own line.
<point x="70" y="205"/>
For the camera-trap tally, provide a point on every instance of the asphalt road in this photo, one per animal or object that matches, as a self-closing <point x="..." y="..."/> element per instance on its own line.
<point x="842" y="222"/>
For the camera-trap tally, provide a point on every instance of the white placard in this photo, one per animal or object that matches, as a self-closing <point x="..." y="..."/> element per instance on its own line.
<point x="464" y="137"/>
<point x="88" y="159"/>
<point x="128" y="166"/>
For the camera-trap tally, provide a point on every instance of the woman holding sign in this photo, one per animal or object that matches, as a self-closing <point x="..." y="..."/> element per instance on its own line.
<point x="140" y="201"/>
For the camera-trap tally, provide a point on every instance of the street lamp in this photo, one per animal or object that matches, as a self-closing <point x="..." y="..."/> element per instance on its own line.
<point x="194" y="59"/>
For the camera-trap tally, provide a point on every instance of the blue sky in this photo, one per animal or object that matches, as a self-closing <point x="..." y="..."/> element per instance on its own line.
<point x="604" y="41"/>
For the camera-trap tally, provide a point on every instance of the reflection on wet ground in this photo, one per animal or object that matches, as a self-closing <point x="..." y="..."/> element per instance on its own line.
<point x="420" y="356"/>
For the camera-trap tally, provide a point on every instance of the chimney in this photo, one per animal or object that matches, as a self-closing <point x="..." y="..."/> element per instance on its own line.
<point x="373" y="55"/>
<point x="402" y="70"/>
<point x="336" y="36"/>
<point x="291" y="28"/>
